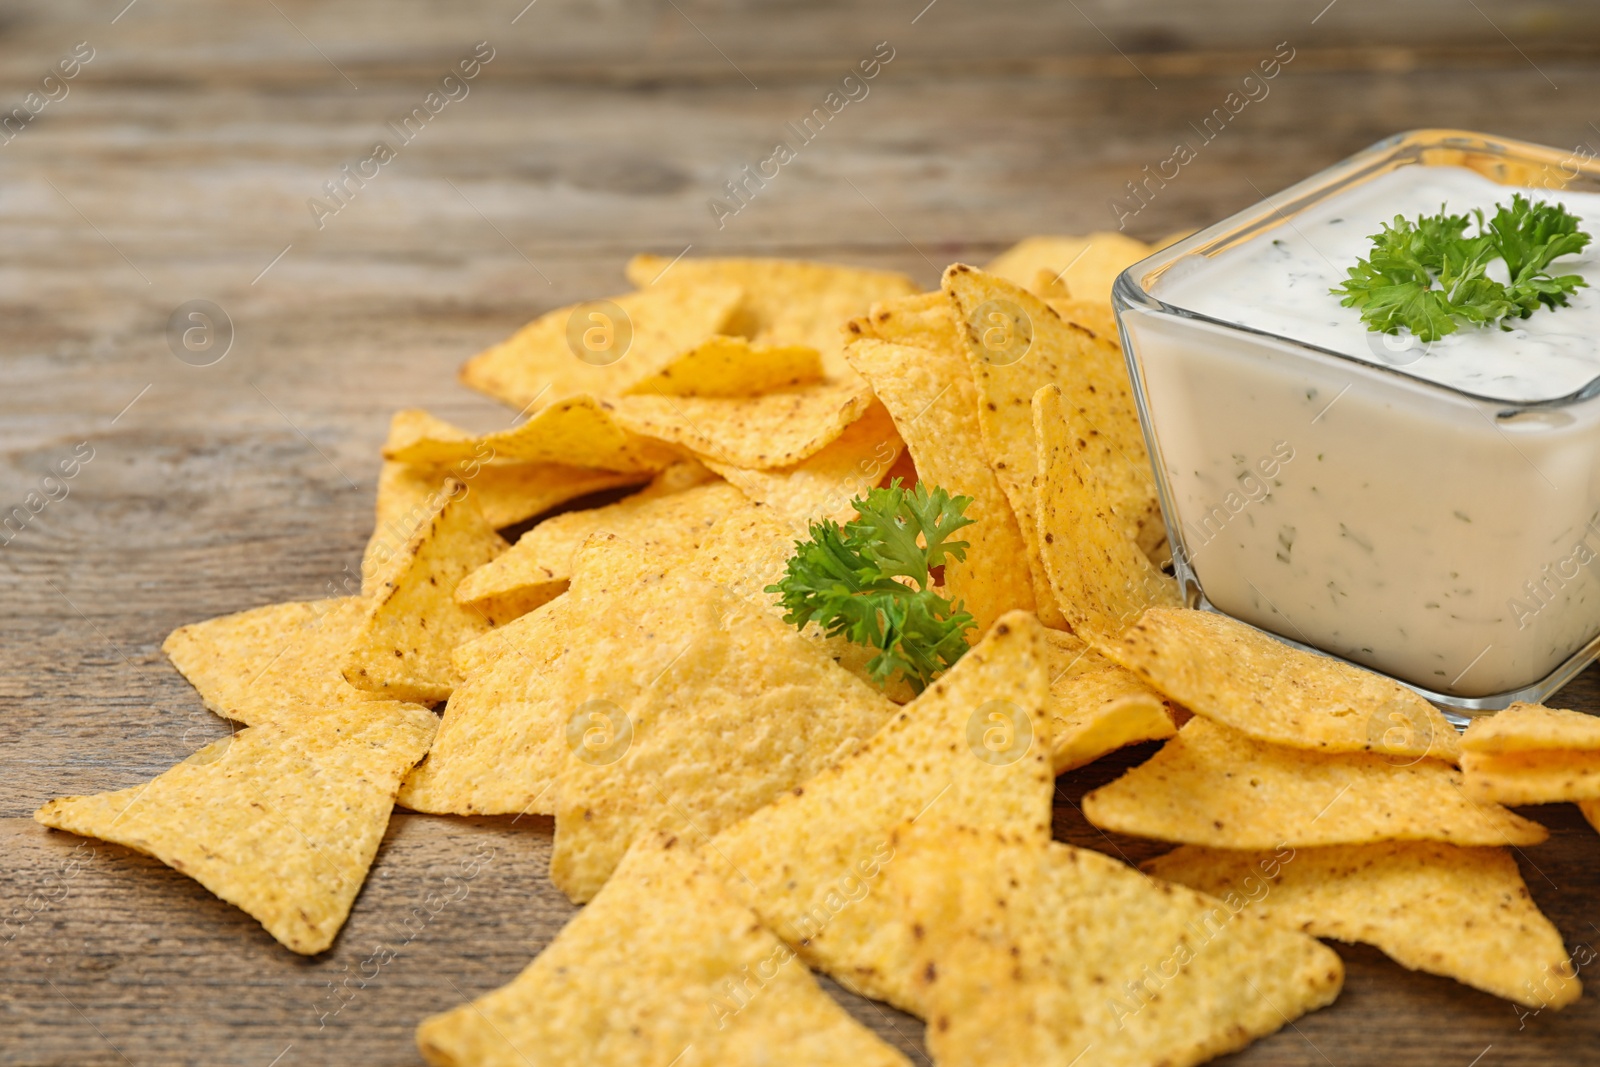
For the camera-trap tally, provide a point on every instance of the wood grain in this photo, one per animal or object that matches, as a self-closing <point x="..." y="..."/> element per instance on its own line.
<point x="179" y="166"/>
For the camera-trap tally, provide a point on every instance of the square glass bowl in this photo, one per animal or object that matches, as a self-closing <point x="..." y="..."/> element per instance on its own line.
<point x="1445" y="539"/>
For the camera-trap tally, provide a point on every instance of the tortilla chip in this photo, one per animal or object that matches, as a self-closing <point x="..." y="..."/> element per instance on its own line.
<point x="748" y="551"/>
<point x="1523" y="727"/>
<point x="578" y="431"/>
<point x="555" y="356"/>
<point x="775" y="430"/>
<point x="927" y="320"/>
<point x="1212" y="785"/>
<point x="1537" y="776"/>
<point x="1591" y="812"/>
<point x="667" y="525"/>
<point x="1096" y="316"/>
<point x="507" y="493"/>
<point x="402" y="650"/>
<point x="1043" y="349"/>
<point x="809" y="863"/>
<point x="502" y="741"/>
<point x="1050" y="954"/>
<point x="787" y="302"/>
<point x="274" y="662"/>
<point x="281" y="820"/>
<point x="1256" y="684"/>
<point x="664" y="969"/>
<point x="727" y="708"/>
<point x="1101" y="580"/>
<point x="935" y="405"/>
<point x="1086" y="266"/>
<point x="732" y="366"/>
<point x="823" y="486"/>
<point x="1460" y="912"/>
<point x="1095" y="706"/>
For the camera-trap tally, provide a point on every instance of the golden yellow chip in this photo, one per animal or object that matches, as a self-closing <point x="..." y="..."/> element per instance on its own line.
<point x="732" y="366"/>
<point x="822" y="486"/>
<point x="1536" y="776"/>
<point x="667" y="525"/>
<point x="972" y="749"/>
<point x="578" y="431"/>
<point x="1050" y="954"/>
<point x="787" y="302"/>
<point x="1017" y="344"/>
<point x="1260" y="686"/>
<point x="775" y="430"/>
<point x="502" y="740"/>
<point x="1464" y="913"/>
<point x="690" y="708"/>
<point x="664" y="969"/>
<point x="1101" y="580"/>
<point x="507" y="493"/>
<point x="935" y="405"/>
<point x="927" y="320"/>
<point x="1096" y="316"/>
<point x="1525" y="727"/>
<point x="402" y="649"/>
<point x="1086" y="266"/>
<point x="281" y="820"/>
<point x="749" y="551"/>
<point x="1212" y="785"/>
<point x="273" y="662"/>
<point x="601" y="347"/>
<point x="1095" y="706"/>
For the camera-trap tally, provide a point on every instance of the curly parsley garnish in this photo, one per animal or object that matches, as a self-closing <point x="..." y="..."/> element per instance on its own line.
<point x="1429" y="276"/>
<point x="846" y="579"/>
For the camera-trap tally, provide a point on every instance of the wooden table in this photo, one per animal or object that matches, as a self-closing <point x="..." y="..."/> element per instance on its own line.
<point x="179" y="165"/>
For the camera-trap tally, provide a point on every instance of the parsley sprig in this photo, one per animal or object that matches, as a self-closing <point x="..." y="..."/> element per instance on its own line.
<point x="1429" y="275"/>
<point x="857" y="580"/>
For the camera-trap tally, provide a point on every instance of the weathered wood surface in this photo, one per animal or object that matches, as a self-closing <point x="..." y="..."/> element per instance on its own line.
<point x="179" y="164"/>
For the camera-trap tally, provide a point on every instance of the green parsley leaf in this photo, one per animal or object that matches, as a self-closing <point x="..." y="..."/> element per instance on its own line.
<point x="1428" y="276"/>
<point x="857" y="580"/>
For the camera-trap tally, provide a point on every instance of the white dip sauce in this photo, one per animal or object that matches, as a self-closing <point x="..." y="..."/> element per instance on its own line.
<point x="1279" y="283"/>
<point x="1450" y="542"/>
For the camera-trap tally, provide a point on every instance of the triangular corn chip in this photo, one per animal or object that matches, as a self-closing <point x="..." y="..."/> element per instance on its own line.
<point x="603" y="346"/>
<point x="668" y="525"/>
<point x="281" y="820"/>
<point x="1537" y="776"/>
<point x="970" y="750"/>
<point x="1100" y="579"/>
<point x="935" y="405"/>
<point x="732" y="366"/>
<point x="1050" y="954"/>
<point x="1461" y="912"/>
<point x="1260" y="686"/>
<point x="747" y="552"/>
<point x="507" y="493"/>
<point x="664" y="969"/>
<point x="1525" y="727"/>
<point x="402" y="650"/>
<point x="822" y="486"/>
<point x="1016" y="344"/>
<point x="762" y="432"/>
<point x="1095" y="706"/>
<point x="726" y="708"/>
<point x="787" y="302"/>
<point x="927" y="320"/>
<point x="1096" y="316"/>
<point x="578" y="431"/>
<point x="1086" y="266"/>
<point x="1214" y="786"/>
<point x="274" y="662"/>
<point x="502" y="741"/>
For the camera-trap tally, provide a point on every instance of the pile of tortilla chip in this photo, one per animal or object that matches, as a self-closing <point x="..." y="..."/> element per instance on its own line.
<point x="737" y="801"/>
